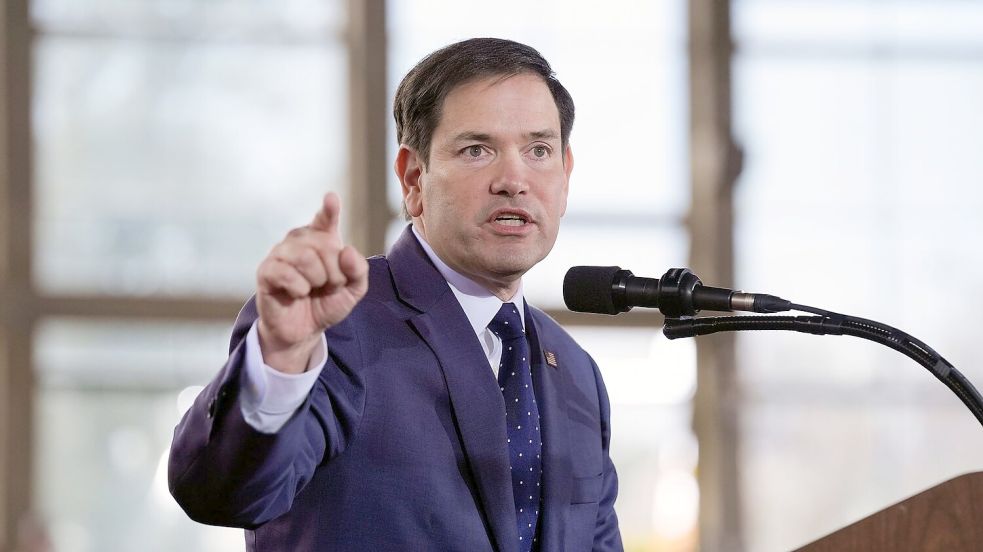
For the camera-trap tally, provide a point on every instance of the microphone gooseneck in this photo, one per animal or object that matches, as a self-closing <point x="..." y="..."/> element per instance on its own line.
<point x="679" y="294"/>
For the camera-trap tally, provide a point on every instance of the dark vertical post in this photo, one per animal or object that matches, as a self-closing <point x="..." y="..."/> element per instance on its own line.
<point x="367" y="212"/>
<point x="714" y="166"/>
<point x="16" y="292"/>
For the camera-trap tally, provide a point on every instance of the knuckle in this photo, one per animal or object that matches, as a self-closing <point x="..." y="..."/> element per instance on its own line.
<point x="280" y="251"/>
<point x="266" y="268"/>
<point x="337" y="279"/>
<point x="307" y="256"/>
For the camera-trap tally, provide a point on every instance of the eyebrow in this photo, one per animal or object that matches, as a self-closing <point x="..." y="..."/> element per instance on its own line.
<point x="547" y="134"/>
<point x="472" y="136"/>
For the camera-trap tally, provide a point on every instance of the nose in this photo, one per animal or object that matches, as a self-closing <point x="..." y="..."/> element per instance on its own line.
<point x="510" y="177"/>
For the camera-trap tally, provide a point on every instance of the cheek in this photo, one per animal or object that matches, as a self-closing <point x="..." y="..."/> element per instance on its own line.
<point x="433" y="199"/>
<point x="557" y="202"/>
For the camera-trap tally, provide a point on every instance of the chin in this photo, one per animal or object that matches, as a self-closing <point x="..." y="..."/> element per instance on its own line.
<point x="515" y="263"/>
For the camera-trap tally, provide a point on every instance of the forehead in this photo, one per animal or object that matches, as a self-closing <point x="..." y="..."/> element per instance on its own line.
<point x="499" y="105"/>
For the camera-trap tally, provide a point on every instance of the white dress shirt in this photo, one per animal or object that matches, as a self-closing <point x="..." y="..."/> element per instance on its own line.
<point x="269" y="397"/>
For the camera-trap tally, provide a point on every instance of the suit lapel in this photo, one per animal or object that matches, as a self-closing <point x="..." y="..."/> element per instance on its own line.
<point x="474" y="393"/>
<point x="550" y="385"/>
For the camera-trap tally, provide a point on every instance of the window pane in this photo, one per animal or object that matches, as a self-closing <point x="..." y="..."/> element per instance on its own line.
<point x="109" y="396"/>
<point x="80" y="353"/>
<point x="168" y="167"/>
<point x="224" y="19"/>
<point x="861" y="194"/>
<point x="836" y="26"/>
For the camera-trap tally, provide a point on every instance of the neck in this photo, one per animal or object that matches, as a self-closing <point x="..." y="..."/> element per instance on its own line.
<point x="505" y="292"/>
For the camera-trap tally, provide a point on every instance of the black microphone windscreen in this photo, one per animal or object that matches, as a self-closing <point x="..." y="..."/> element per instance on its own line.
<point x="588" y="289"/>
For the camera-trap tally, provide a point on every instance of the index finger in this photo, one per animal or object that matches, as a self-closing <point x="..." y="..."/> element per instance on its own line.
<point x="326" y="219"/>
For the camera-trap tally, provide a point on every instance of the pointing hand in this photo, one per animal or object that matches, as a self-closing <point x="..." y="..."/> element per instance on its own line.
<point x="309" y="282"/>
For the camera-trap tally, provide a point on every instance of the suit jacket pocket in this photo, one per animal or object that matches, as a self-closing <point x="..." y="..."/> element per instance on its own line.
<point x="587" y="489"/>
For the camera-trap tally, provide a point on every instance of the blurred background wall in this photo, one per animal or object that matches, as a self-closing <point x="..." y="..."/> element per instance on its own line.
<point x="828" y="151"/>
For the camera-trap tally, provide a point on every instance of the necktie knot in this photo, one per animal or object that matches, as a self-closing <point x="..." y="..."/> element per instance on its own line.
<point x="507" y="324"/>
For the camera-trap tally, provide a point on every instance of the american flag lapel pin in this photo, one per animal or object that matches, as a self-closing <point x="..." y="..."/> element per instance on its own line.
<point x="551" y="358"/>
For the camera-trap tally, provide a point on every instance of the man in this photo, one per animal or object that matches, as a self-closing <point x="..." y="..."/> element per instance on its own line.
<point x="415" y="401"/>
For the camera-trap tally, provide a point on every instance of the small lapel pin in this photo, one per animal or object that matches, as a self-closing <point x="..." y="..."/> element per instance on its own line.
<point x="551" y="358"/>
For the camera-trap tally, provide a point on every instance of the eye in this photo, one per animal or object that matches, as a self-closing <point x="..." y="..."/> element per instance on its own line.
<point x="540" y="151"/>
<point x="474" y="151"/>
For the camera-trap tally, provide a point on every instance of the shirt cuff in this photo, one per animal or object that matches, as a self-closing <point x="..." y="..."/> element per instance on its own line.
<point x="268" y="397"/>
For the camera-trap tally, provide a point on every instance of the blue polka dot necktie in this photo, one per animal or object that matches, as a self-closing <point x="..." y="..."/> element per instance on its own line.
<point x="522" y="420"/>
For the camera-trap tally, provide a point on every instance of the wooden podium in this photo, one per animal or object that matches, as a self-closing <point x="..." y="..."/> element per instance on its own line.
<point x="947" y="517"/>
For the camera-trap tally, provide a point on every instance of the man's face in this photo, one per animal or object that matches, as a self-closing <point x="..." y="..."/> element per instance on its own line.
<point x="490" y="200"/>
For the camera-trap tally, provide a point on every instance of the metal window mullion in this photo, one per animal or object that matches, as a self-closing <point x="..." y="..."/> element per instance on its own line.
<point x="714" y="163"/>
<point x="367" y="210"/>
<point x="16" y="292"/>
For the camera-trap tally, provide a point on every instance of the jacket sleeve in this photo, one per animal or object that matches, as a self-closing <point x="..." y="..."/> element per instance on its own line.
<point x="223" y="472"/>
<point x="607" y="535"/>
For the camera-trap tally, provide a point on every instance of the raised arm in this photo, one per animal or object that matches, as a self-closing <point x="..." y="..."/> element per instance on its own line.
<point x="222" y="470"/>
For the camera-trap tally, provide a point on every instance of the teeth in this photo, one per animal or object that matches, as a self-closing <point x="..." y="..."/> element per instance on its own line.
<point x="511" y="220"/>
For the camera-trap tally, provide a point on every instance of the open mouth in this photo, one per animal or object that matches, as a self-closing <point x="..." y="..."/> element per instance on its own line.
<point x="511" y="219"/>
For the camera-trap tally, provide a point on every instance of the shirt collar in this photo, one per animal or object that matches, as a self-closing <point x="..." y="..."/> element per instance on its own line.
<point x="479" y="304"/>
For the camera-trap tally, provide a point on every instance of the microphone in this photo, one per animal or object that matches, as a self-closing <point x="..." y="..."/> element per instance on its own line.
<point x="612" y="290"/>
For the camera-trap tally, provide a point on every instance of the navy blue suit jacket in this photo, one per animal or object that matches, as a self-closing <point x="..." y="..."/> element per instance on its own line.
<point x="401" y="445"/>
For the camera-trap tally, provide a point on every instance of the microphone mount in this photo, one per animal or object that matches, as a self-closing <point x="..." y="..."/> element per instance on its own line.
<point x="676" y="288"/>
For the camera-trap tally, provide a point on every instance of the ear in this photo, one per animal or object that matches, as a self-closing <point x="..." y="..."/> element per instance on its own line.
<point x="567" y="169"/>
<point x="409" y="171"/>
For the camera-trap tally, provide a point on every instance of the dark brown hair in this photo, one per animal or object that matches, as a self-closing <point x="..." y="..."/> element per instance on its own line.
<point x="420" y="96"/>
